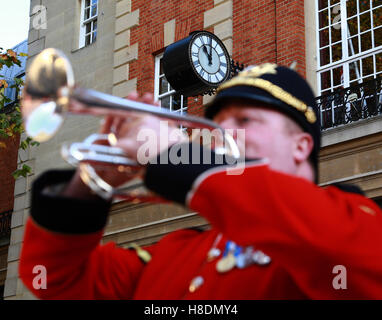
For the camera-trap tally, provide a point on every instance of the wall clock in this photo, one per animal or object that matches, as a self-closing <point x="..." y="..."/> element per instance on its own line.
<point x="197" y="63"/>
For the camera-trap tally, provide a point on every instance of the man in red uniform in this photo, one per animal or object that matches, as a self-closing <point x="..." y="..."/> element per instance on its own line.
<point x="274" y="233"/>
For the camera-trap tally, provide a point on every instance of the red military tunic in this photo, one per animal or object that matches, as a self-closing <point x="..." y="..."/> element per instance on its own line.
<point x="304" y="229"/>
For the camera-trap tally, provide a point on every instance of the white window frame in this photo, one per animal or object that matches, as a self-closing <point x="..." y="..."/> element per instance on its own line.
<point x="84" y="22"/>
<point x="348" y="58"/>
<point x="170" y="93"/>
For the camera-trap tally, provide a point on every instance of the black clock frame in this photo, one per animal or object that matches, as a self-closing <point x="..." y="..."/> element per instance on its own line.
<point x="179" y="68"/>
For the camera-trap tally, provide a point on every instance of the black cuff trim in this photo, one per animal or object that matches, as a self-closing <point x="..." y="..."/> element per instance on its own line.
<point x="63" y="214"/>
<point x="173" y="180"/>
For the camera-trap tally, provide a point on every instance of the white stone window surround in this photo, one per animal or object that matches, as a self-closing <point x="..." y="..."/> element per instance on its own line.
<point x="164" y="93"/>
<point x="88" y="22"/>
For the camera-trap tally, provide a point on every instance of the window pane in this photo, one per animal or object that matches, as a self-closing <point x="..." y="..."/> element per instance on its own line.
<point x="324" y="37"/>
<point x="334" y="2"/>
<point x="367" y="66"/>
<point x="364" y="5"/>
<point x="354" y="68"/>
<point x="337" y="52"/>
<point x="87" y="40"/>
<point x="88" y="28"/>
<point x="353" y="46"/>
<point x="378" y="37"/>
<point x="163" y="85"/>
<point x="87" y="14"/>
<point x="165" y="102"/>
<point x="324" y="56"/>
<point x="368" y="78"/>
<point x="336" y="32"/>
<point x="176" y="102"/>
<point x="322" y="4"/>
<point x="337" y="76"/>
<point x="364" y="21"/>
<point x="335" y="14"/>
<point x="94" y="25"/>
<point x="376" y="3"/>
<point x="325" y="80"/>
<point x="87" y="3"/>
<point x="324" y="19"/>
<point x="378" y="60"/>
<point x="353" y="26"/>
<point x="161" y="67"/>
<point x="366" y="41"/>
<point x="94" y="1"/>
<point x="94" y="36"/>
<point x="351" y="8"/>
<point x="94" y="11"/>
<point x="377" y="17"/>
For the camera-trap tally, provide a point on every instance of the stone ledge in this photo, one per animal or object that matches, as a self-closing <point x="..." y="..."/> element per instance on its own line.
<point x="17" y="218"/>
<point x="10" y="287"/>
<point x="169" y="32"/>
<point x="127" y="21"/>
<point x="122" y="7"/>
<point x="120" y="74"/>
<point x="126" y="55"/>
<point x="122" y="40"/>
<point x="351" y="131"/>
<point x="14" y="252"/>
<point x="124" y="88"/>
<point x="224" y="30"/>
<point x="218" y="14"/>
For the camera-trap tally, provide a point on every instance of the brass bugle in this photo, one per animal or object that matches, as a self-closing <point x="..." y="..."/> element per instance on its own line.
<point x="50" y="80"/>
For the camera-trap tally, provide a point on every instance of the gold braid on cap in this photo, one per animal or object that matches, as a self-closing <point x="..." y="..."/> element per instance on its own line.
<point x="246" y="78"/>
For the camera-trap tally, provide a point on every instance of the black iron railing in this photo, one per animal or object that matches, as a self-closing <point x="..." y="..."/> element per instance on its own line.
<point x="5" y="223"/>
<point x="351" y="104"/>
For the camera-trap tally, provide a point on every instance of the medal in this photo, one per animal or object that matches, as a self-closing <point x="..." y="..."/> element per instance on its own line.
<point x="226" y="263"/>
<point x="196" y="283"/>
<point x="212" y="254"/>
<point x="244" y="259"/>
<point x="261" y="258"/>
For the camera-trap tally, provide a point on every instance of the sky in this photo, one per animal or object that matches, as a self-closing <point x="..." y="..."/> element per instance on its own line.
<point x="14" y="22"/>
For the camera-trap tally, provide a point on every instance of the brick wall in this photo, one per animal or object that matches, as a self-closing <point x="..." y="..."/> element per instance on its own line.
<point x="262" y="31"/>
<point x="149" y="34"/>
<point x="151" y="39"/>
<point x="269" y="31"/>
<point x="8" y="164"/>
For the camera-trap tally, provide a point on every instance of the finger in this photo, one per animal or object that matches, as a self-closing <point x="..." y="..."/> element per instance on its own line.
<point x="148" y="98"/>
<point x="133" y="95"/>
<point x="118" y="122"/>
<point x="106" y="124"/>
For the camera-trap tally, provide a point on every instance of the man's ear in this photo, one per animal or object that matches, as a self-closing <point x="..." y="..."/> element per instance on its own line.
<point x="303" y="146"/>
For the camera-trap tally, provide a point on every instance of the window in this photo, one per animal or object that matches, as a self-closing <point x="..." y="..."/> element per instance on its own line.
<point x="349" y="51"/>
<point x="164" y="93"/>
<point x="88" y="29"/>
<point x="349" y="47"/>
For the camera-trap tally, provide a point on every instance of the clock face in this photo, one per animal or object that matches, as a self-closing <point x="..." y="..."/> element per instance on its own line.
<point x="210" y="59"/>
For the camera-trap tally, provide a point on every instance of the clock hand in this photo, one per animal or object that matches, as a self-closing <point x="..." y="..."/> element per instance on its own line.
<point x="209" y="56"/>
<point x="210" y="61"/>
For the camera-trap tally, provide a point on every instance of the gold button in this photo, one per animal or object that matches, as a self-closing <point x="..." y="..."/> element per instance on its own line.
<point x="367" y="210"/>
